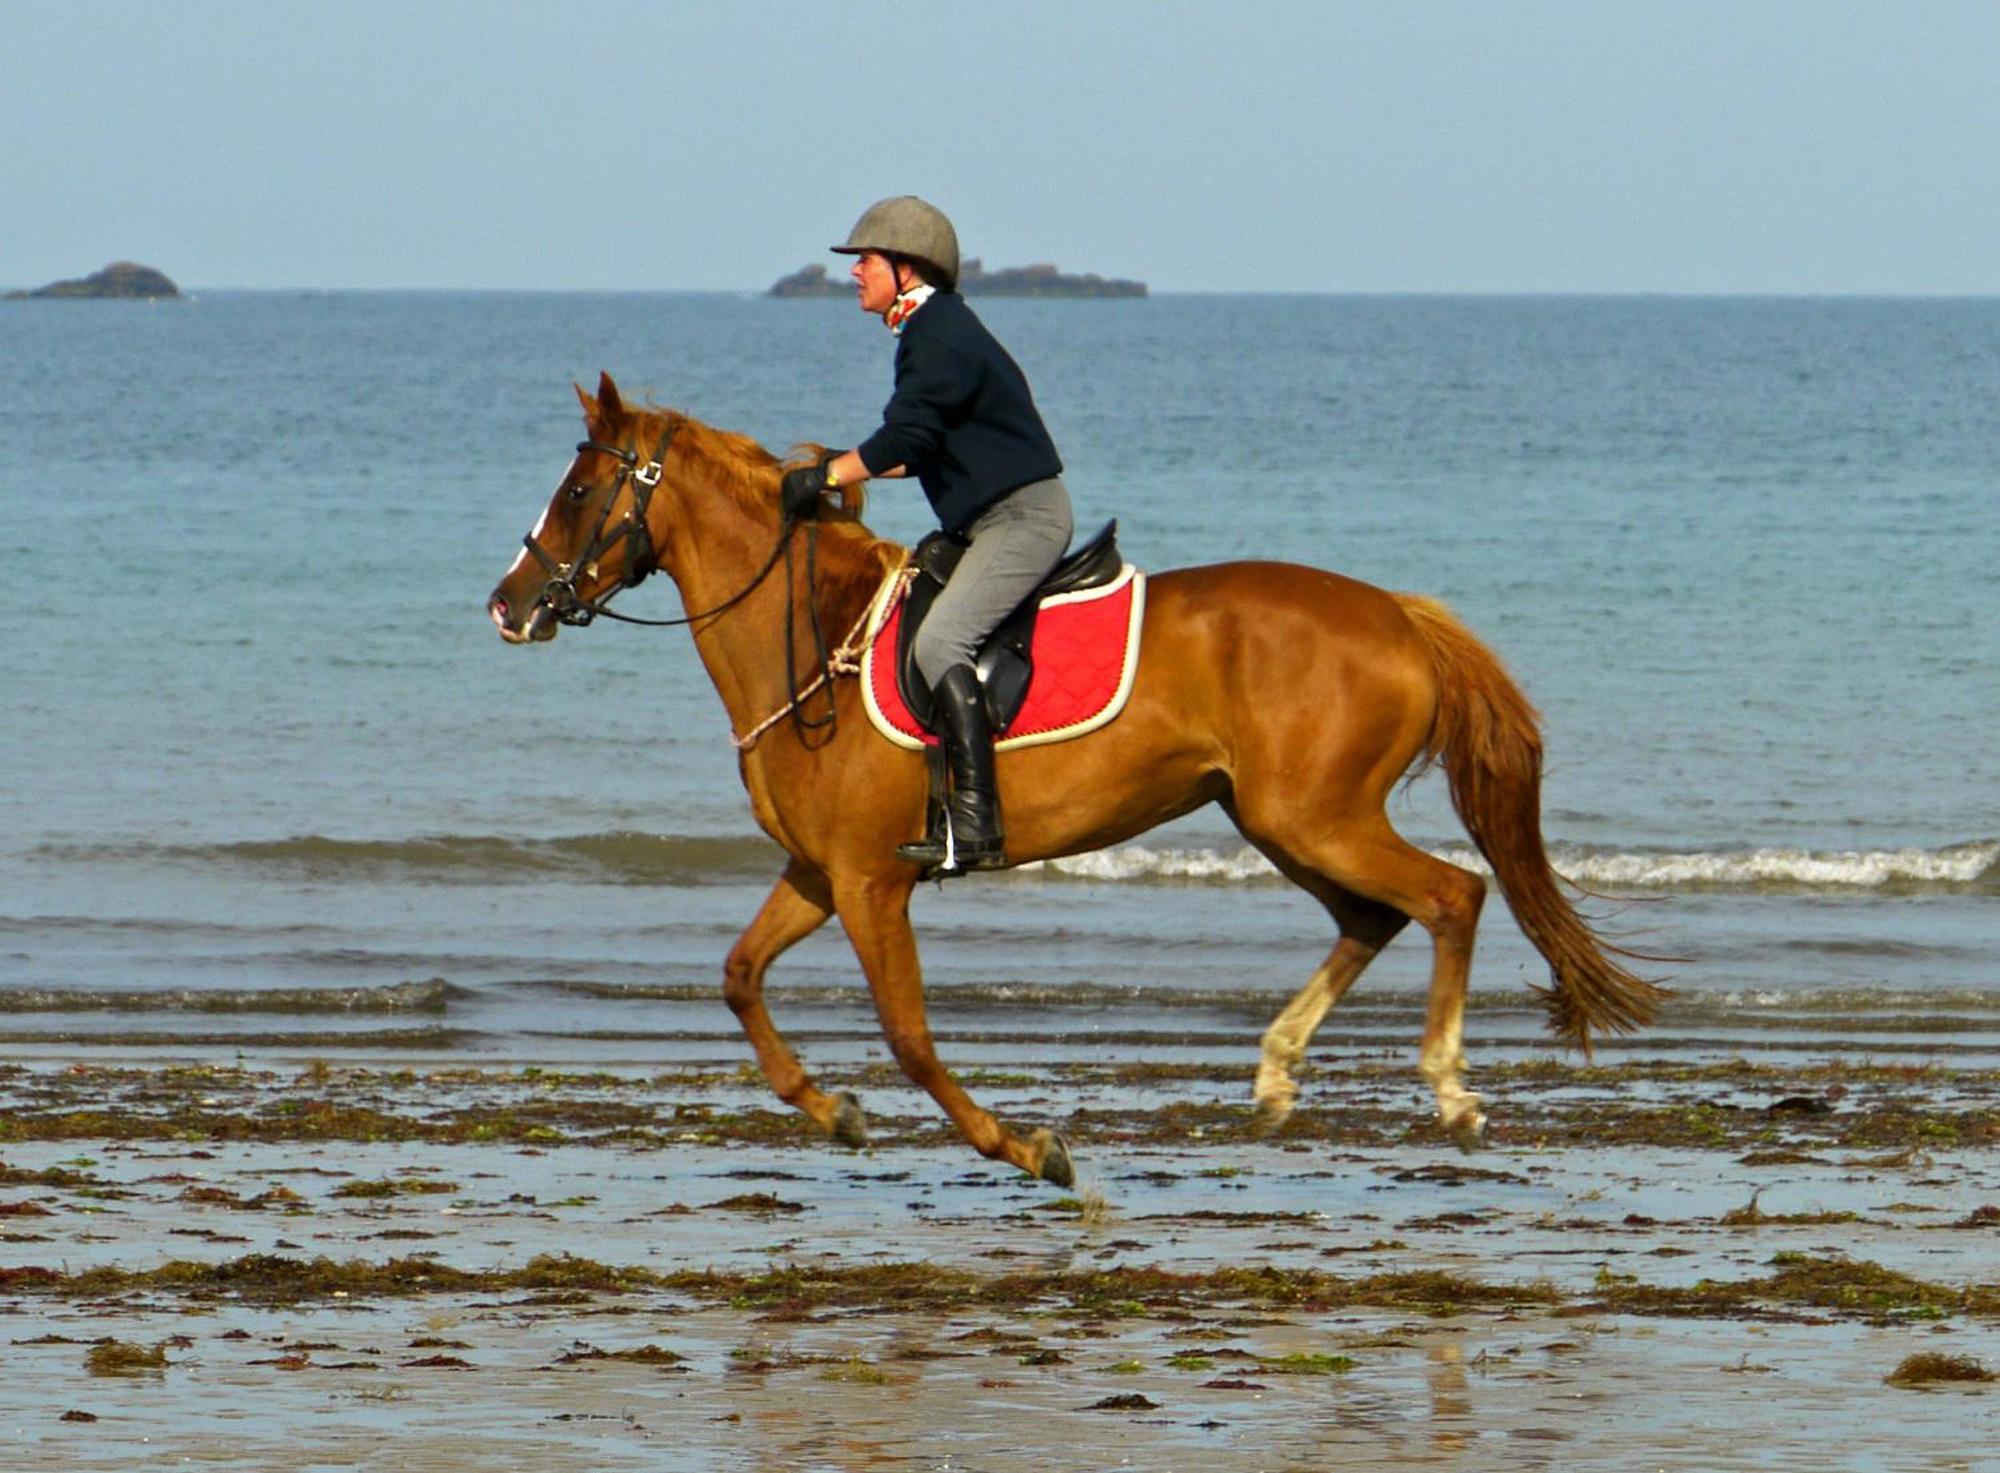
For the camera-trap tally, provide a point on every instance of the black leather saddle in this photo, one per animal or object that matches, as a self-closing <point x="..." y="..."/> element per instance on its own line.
<point x="1005" y="664"/>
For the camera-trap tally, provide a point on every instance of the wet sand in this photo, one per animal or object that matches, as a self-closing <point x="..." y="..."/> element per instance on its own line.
<point x="1683" y="1260"/>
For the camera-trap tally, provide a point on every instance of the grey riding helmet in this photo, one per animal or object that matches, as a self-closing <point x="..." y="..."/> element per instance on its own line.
<point x="907" y="226"/>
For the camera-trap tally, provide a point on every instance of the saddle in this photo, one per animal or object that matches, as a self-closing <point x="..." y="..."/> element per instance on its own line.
<point x="1005" y="662"/>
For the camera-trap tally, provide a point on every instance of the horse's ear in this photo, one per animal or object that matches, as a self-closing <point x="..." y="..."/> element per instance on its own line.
<point x="607" y="396"/>
<point x="590" y="409"/>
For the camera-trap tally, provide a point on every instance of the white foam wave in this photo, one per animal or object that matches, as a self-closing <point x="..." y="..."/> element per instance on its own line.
<point x="1139" y="862"/>
<point x="1864" y="869"/>
<point x="1956" y="865"/>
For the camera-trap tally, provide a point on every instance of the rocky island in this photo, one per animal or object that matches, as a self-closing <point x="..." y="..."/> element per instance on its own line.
<point x="975" y="280"/>
<point x="121" y="280"/>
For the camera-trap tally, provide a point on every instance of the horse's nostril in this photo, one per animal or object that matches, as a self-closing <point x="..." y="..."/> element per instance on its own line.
<point x="497" y="607"/>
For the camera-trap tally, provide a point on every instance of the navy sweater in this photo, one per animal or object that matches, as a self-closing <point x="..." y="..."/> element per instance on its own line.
<point x="962" y="418"/>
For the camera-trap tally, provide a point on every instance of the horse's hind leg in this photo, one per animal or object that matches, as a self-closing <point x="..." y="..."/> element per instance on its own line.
<point x="1365" y="928"/>
<point x="796" y="907"/>
<point x="875" y="912"/>
<point x="1372" y="860"/>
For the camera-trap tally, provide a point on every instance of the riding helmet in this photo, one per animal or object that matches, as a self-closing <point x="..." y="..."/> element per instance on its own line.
<point x="907" y="226"/>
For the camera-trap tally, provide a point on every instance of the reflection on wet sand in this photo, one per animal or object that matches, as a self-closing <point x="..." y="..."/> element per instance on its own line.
<point x="612" y="1269"/>
<point x="1451" y="1402"/>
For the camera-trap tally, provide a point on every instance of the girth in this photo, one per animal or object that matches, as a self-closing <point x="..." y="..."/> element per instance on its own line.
<point x="1005" y="662"/>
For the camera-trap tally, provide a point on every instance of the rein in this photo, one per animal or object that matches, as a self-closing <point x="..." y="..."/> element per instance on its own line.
<point x="844" y="660"/>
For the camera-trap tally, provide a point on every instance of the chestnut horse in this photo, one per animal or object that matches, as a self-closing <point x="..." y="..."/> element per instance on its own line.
<point x="1294" y="698"/>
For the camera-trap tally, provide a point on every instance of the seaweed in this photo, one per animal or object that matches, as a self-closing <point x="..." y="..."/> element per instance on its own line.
<point x="644" y="1355"/>
<point x="122" y="1358"/>
<point x="1751" y="1215"/>
<point x="1303" y="1364"/>
<point x="1794" y="1282"/>
<point x="1929" y="1368"/>
<point x="395" y="1187"/>
<point x="1843" y="1285"/>
<point x="757" y="1204"/>
<point x="1559" y="1105"/>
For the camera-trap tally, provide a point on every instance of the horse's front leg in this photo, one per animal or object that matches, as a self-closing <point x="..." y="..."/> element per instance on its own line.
<point x="797" y="906"/>
<point x="876" y="913"/>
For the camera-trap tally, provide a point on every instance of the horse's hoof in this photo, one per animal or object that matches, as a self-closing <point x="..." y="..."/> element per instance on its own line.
<point x="1468" y="1132"/>
<point x="850" y="1125"/>
<point x="1272" y="1112"/>
<point x="1056" y="1168"/>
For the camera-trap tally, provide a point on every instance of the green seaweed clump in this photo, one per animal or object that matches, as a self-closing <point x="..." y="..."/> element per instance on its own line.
<point x="644" y="1355"/>
<point x="1930" y="1368"/>
<point x="122" y="1358"/>
<point x="1857" y="1285"/>
<point x="397" y="1186"/>
<point x="1307" y="1365"/>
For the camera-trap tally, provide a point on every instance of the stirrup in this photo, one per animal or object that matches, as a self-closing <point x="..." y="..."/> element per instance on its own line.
<point x="942" y="856"/>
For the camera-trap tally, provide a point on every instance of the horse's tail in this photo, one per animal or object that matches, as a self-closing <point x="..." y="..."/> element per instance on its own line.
<point x="1489" y="739"/>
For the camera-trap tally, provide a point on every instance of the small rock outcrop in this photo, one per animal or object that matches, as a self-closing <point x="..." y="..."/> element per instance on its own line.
<point x="125" y="280"/>
<point x="975" y="280"/>
<point x="1042" y="280"/>
<point x="808" y="281"/>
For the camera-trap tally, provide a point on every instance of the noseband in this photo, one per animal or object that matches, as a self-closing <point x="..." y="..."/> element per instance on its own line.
<point x="641" y="558"/>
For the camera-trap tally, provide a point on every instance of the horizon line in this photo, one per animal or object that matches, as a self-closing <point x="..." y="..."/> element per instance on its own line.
<point x="1427" y="293"/>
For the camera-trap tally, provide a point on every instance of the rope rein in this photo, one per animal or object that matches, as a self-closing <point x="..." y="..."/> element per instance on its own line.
<point x="843" y="660"/>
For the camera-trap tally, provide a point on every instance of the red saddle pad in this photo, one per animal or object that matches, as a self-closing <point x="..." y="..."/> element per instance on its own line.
<point x="1086" y="653"/>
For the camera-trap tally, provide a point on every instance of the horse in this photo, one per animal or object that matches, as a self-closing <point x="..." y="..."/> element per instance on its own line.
<point x="1293" y="697"/>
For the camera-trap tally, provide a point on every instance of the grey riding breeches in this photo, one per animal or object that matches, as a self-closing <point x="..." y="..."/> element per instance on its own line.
<point x="1015" y="543"/>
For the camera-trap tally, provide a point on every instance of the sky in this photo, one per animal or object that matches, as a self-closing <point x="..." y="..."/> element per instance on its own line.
<point x="1678" y="146"/>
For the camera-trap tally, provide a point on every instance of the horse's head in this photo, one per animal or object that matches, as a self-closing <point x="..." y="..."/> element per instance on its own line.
<point x="594" y="537"/>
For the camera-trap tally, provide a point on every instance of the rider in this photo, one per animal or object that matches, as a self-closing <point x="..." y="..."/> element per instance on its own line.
<point x="963" y="421"/>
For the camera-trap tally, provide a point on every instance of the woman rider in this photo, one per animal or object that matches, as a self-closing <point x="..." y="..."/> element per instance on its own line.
<point x="963" y="421"/>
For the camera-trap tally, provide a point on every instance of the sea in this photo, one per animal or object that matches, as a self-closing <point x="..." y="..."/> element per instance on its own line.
<point x="272" y="781"/>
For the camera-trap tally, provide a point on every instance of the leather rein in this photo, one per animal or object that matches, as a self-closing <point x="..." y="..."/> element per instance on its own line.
<point x="642" y="559"/>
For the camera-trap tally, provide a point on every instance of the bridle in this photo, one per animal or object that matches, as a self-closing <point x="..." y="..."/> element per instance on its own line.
<point x="642" y="559"/>
<point x="560" y="597"/>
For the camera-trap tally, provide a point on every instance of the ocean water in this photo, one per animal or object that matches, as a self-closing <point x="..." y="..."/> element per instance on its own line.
<point x="265" y="752"/>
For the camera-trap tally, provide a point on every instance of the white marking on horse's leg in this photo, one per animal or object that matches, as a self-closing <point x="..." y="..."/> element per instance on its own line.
<point x="1455" y="896"/>
<point x="1285" y="1041"/>
<point x="1441" y="1062"/>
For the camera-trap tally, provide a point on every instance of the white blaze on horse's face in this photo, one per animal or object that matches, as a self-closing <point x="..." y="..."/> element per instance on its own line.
<point x="515" y="590"/>
<point x="541" y="524"/>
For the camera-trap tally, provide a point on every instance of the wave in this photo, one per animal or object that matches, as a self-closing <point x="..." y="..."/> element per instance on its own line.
<point x="1869" y="1009"/>
<point x="630" y="858"/>
<point x="1969" y="868"/>
<point x="429" y="1040"/>
<point x="433" y="996"/>
<point x="617" y="857"/>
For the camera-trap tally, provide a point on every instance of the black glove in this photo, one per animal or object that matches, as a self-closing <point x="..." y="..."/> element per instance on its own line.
<point x="800" y="490"/>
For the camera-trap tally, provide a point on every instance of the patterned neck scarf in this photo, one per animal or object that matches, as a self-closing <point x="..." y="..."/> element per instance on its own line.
<point x="905" y="306"/>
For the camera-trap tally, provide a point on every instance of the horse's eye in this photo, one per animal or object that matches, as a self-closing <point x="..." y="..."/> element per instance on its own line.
<point x="578" y="491"/>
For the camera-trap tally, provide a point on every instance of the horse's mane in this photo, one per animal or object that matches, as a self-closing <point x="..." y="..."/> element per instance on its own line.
<point x="739" y="467"/>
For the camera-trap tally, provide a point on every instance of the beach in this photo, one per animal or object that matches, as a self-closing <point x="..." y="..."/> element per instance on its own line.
<point x="367" y="1097"/>
<point x="1696" y="1260"/>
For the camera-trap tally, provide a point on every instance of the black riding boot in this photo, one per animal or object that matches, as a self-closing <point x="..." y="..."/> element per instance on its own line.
<point x="972" y="839"/>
